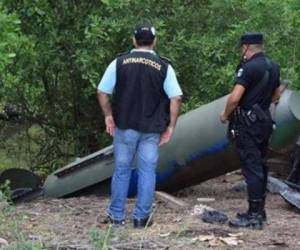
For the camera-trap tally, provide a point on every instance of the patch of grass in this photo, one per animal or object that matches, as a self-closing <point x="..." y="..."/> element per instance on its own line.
<point x="24" y="245"/>
<point x="182" y="229"/>
<point x="100" y="238"/>
<point x="10" y="228"/>
<point x="5" y="192"/>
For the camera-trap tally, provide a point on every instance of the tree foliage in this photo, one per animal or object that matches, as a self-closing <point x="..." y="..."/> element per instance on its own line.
<point x="53" y="54"/>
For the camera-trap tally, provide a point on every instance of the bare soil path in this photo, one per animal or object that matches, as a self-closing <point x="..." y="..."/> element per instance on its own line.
<point x="75" y="223"/>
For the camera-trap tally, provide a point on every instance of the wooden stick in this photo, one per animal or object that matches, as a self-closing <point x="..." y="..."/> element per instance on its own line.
<point x="205" y="199"/>
<point x="171" y="201"/>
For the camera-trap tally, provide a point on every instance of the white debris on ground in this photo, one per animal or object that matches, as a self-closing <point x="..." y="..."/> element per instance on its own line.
<point x="3" y="243"/>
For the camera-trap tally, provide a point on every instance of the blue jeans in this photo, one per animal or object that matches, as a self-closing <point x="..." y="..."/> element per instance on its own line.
<point x="131" y="145"/>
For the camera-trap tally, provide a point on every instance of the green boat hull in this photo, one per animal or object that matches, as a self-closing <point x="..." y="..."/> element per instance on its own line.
<point x="198" y="151"/>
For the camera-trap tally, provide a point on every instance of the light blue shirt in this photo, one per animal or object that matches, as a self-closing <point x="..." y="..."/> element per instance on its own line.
<point x="108" y="81"/>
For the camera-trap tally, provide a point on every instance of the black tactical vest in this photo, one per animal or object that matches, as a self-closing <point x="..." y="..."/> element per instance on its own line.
<point x="139" y="100"/>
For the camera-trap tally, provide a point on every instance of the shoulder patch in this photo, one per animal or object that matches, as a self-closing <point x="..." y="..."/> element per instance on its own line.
<point x="240" y="72"/>
<point x="167" y="60"/>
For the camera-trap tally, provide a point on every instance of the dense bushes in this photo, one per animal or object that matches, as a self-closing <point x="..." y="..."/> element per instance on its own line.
<point x="53" y="53"/>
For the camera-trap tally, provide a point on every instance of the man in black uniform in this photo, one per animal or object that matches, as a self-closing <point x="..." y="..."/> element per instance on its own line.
<point x="256" y="87"/>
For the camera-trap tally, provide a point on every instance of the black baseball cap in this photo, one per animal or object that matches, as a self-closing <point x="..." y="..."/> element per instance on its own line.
<point x="144" y="32"/>
<point x="251" y="38"/>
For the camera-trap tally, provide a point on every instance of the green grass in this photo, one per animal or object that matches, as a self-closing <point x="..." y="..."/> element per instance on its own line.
<point x="10" y="229"/>
<point x="24" y="245"/>
<point x="100" y="238"/>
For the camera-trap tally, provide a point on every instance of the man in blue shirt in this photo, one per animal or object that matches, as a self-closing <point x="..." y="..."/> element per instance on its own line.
<point x="146" y="103"/>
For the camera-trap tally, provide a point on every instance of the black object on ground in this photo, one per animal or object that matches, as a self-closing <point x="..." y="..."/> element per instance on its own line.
<point x="213" y="217"/>
<point x="110" y="220"/>
<point x="26" y="194"/>
<point x="142" y="223"/>
<point x="22" y="183"/>
<point x="252" y="221"/>
<point x="240" y="187"/>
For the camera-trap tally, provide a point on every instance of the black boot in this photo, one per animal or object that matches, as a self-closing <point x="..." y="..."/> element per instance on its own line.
<point x="252" y="219"/>
<point x="142" y="223"/>
<point x="262" y="210"/>
<point x="109" y="220"/>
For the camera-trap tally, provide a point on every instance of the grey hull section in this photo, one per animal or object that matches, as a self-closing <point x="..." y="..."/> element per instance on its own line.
<point x="198" y="151"/>
<point x="289" y="195"/>
<point x="276" y="186"/>
<point x="292" y="197"/>
<point x="80" y="174"/>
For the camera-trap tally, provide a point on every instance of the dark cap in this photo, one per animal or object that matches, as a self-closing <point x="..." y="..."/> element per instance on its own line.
<point x="251" y="38"/>
<point x="144" y="32"/>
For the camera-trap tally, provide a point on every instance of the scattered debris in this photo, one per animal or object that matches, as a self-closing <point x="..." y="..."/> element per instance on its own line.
<point x="70" y="247"/>
<point x="145" y="244"/>
<point x="68" y="223"/>
<point x="214" y="242"/>
<point x="206" y="237"/>
<point x="3" y="243"/>
<point x="235" y="234"/>
<point x="240" y="187"/>
<point x="37" y="238"/>
<point x="177" y="219"/>
<point x="164" y="235"/>
<point x="171" y="201"/>
<point x="277" y="243"/>
<point x="200" y="209"/>
<point x="209" y="214"/>
<point x="214" y="217"/>
<point x="230" y="240"/>
<point x="204" y="200"/>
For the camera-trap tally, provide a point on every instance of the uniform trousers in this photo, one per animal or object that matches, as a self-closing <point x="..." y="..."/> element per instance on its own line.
<point x="252" y="144"/>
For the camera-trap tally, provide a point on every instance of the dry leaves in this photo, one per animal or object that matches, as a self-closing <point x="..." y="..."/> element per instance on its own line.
<point x="213" y="241"/>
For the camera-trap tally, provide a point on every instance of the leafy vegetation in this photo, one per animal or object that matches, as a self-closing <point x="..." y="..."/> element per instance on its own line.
<point x="53" y="54"/>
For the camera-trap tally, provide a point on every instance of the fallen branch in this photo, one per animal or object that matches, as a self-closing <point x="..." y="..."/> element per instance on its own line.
<point x="171" y="201"/>
<point x="206" y="200"/>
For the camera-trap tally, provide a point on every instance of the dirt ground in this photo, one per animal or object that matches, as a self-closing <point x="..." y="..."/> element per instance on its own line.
<point x="75" y="223"/>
